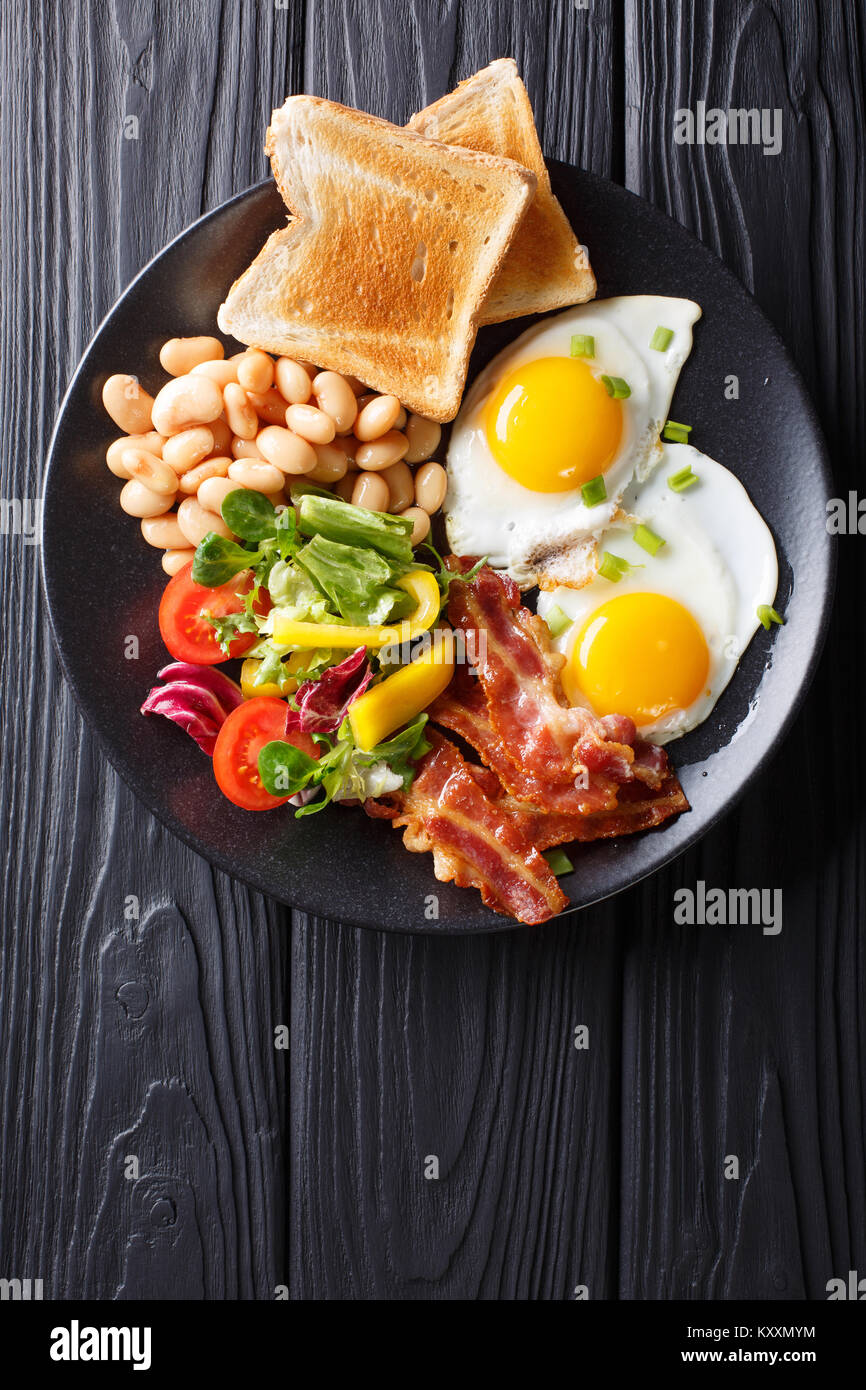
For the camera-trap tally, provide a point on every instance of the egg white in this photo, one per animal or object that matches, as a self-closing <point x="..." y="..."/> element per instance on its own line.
<point x="551" y="537"/>
<point x="719" y="561"/>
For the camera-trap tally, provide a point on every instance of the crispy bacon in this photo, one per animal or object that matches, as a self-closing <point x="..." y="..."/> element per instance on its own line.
<point x="551" y="774"/>
<point x="476" y="842"/>
<point x="520" y="674"/>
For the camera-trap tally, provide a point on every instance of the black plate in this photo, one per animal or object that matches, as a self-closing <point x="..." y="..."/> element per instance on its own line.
<point x="103" y="583"/>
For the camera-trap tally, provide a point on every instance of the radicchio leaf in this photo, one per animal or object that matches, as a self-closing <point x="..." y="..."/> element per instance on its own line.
<point x="196" y="698"/>
<point x="322" y="704"/>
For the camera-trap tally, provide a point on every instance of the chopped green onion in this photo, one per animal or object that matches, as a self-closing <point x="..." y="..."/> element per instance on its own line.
<point x="559" y="861"/>
<point x="661" y="339"/>
<point x="616" y="387"/>
<point x="582" y="345"/>
<point x="647" y="539"/>
<point x="678" y="482"/>
<point x="557" y="621"/>
<point x="768" y="615"/>
<point x="613" y="567"/>
<point x="675" y="433"/>
<point x="594" y="491"/>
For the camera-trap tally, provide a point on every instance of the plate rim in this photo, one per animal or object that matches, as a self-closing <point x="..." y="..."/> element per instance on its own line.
<point x="255" y="880"/>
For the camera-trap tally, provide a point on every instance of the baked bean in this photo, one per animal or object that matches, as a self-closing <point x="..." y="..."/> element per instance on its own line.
<point x="256" y="370"/>
<point x="346" y="486"/>
<point x="371" y="491"/>
<point x="336" y="397"/>
<point x="174" y="560"/>
<point x="128" y="404"/>
<point x="138" y="500"/>
<point x="241" y="417"/>
<point x="185" y="401"/>
<point x="286" y="450"/>
<point x="163" y="532"/>
<point x="244" y="449"/>
<point x="195" y="522"/>
<point x="400" y="422"/>
<point x="188" y="448"/>
<point x="277" y="499"/>
<point x="365" y="398"/>
<point x="214" y="491"/>
<point x="260" y="477"/>
<point x="382" y="452"/>
<point x="269" y="406"/>
<point x="239" y="356"/>
<point x="431" y="483"/>
<point x="222" y="435"/>
<point x="401" y="487"/>
<point x="152" y="442"/>
<point x="420" y="523"/>
<point x="331" y="466"/>
<point x="293" y="381"/>
<point x="310" y="368"/>
<point x="179" y="355"/>
<point x="150" y="470"/>
<point x="310" y="423"/>
<point x="377" y="417"/>
<point x="211" y="468"/>
<point x="423" y="436"/>
<point x="220" y="372"/>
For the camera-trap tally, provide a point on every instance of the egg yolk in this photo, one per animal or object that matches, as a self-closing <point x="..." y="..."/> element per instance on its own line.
<point x="551" y="425"/>
<point x="642" y="654"/>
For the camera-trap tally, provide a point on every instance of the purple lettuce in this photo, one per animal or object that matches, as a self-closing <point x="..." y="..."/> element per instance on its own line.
<point x="198" y="699"/>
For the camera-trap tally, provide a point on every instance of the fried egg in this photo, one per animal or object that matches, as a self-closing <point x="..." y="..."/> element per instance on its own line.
<point x="556" y="427"/>
<point x="661" y="643"/>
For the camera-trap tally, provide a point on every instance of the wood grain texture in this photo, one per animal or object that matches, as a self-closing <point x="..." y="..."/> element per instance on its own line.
<point x="152" y="1037"/>
<point x="750" y="1043"/>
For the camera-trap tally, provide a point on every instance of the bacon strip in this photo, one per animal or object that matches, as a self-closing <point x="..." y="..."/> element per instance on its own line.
<point x="520" y="674"/>
<point x="476" y="842"/>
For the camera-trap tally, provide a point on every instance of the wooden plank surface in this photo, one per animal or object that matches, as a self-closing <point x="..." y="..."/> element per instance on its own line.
<point x="152" y="1036"/>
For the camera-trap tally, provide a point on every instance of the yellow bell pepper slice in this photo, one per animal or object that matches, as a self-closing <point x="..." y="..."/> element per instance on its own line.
<point x="419" y="583"/>
<point x="250" y="670"/>
<point x="397" y="699"/>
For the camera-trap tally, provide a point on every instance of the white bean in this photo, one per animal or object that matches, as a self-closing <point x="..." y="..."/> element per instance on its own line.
<point x="128" y="404"/>
<point x="174" y="560"/>
<point x="151" y="470"/>
<point x="179" y="355"/>
<point x="431" y="484"/>
<point x="152" y="442"/>
<point x="377" y="417"/>
<point x="188" y="448"/>
<point x="138" y="500"/>
<point x="420" y="523"/>
<point x="214" y="491"/>
<point x="185" y="401"/>
<point x="286" y="450"/>
<point x="260" y="477"/>
<point x="293" y="381"/>
<point x="196" y="523"/>
<point x="256" y="370"/>
<point x="220" y="372"/>
<point x="211" y="468"/>
<point x="336" y="397"/>
<point x="424" y="436"/>
<point x="163" y="532"/>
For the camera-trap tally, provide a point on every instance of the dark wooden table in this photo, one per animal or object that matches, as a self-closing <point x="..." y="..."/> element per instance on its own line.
<point x="153" y="1035"/>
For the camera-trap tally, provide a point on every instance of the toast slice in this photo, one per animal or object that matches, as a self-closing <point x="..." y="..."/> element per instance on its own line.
<point x="394" y="242"/>
<point x="546" y="267"/>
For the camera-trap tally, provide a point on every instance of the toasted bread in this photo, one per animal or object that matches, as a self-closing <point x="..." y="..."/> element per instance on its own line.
<point x="546" y="267"/>
<point x="395" y="241"/>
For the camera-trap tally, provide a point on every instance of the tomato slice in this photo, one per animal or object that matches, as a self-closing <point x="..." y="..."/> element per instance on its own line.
<point x="241" y="739"/>
<point x="184" y="628"/>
